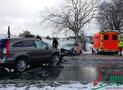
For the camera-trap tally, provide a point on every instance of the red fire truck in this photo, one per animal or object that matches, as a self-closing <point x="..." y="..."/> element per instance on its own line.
<point x="105" y="42"/>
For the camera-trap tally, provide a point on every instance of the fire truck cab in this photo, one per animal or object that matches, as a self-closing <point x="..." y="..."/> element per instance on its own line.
<point x="105" y="42"/>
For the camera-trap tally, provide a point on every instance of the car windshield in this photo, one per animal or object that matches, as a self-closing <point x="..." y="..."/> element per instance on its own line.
<point x="68" y="46"/>
<point x="47" y="43"/>
<point x="2" y="43"/>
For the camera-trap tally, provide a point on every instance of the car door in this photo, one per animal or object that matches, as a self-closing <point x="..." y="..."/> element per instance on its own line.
<point x="30" y="48"/>
<point x="43" y="52"/>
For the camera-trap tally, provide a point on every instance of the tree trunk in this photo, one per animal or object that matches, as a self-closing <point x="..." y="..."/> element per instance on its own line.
<point x="83" y="40"/>
<point x="76" y="36"/>
<point x="84" y="44"/>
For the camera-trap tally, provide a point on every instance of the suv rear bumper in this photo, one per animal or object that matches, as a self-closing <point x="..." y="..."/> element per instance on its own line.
<point x="6" y="63"/>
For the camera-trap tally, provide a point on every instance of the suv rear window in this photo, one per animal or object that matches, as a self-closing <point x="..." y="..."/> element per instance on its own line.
<point x="3" y="43"/>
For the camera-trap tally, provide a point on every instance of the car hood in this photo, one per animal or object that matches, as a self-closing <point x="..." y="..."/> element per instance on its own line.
<point x="67" y="48"/>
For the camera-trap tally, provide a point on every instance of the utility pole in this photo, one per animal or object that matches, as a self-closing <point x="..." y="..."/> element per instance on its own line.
<point x="9" y="32"/>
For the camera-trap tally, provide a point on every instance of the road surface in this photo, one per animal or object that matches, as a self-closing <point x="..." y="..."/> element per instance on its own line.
<point x="83" y="68"/>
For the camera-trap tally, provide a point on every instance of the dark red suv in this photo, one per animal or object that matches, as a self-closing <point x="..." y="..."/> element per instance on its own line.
<point x="18" y="53"/>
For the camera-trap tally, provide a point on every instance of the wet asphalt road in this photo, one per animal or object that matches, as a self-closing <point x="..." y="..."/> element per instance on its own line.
<point x="83" y="68"/>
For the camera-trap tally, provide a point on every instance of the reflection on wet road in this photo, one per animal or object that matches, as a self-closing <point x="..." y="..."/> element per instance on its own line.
<point x="76" y="68"/>
<point x="57" y="73"/>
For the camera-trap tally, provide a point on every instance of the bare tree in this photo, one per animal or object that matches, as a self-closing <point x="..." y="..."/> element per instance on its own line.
<point x="110" y="16"/>
<point x="73" y="16"/>
<point x="26" y="34"/>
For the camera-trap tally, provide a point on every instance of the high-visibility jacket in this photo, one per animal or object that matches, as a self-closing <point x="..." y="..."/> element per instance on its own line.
<point x="120" y="44"/>
<point x="120" y="39"/>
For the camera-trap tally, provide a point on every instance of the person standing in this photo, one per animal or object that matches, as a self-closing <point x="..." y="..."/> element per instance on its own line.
<point x="120" y="45"/>
<point x="120" y="51"/>
<point x="77" y="49"/>
<point x="55" y="43"/>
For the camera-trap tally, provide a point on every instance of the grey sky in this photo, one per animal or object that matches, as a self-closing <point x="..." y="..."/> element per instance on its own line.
<point x="25" y="15"/>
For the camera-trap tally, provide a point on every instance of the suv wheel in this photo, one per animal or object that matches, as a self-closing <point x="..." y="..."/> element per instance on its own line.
<point x="55" y="60"/>
<point x="21" y="65"/>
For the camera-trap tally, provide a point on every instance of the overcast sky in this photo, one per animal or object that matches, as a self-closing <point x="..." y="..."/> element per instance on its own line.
<point x="23" y="15"/>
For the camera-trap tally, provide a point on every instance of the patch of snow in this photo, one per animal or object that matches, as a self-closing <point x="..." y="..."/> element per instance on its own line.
<point x="89" y="46"/>
<point x="77" y="86"/>
<point x="87" y="52"/>
<point x="74" y="86"/>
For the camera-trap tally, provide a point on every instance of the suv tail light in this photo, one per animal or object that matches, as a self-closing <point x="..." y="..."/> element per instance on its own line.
<point x="6" y="49"/>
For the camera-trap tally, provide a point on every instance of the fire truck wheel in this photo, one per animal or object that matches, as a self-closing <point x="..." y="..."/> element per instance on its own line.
<point x="98" y="51"/>
<point x="116" y="52"/>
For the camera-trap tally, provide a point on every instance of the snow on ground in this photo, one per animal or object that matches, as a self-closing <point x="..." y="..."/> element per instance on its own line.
<point x="77" y="86"/>
<point x="89" y="46"/>
<point x="74" y="86"/>
<point x="87" y="52"/>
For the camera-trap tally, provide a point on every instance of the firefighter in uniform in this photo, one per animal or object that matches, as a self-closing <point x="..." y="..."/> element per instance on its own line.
<point x="55" y="43"/>
<point x="120" y="47"/>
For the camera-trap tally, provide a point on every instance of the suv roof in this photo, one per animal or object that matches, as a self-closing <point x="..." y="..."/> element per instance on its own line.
<point x="23" y="39"/>
<point x="13" y="40"/>
<point x="20" y="39"/>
